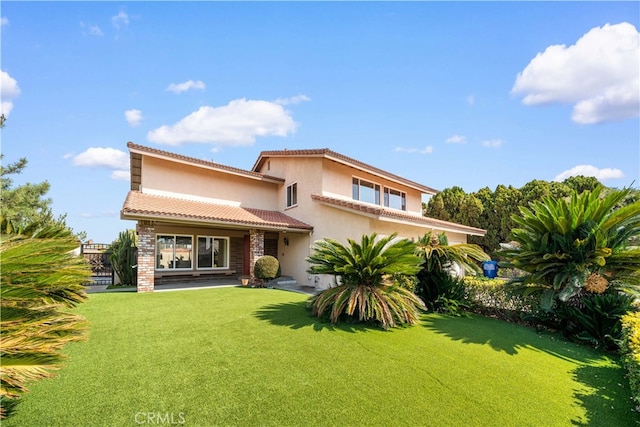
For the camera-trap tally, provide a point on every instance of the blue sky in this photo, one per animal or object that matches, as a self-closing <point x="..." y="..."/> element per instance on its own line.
<point x="467" y="94"/>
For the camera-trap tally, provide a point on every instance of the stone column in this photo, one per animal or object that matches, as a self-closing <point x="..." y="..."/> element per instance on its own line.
<point x="146" y="255"/>
<point x="256" y="249"/>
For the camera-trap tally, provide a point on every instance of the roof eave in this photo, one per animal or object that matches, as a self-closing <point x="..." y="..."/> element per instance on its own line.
<point x="182" y="220"/>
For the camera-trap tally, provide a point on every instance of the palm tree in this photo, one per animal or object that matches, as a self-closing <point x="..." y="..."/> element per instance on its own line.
<point x="577" y="245"/>
<point x="367" y="280"/>
<point x="437" y="285"/>
<point x="40" y="278"/>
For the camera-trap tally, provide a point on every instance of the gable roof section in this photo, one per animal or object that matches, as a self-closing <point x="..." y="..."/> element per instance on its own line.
<point x="152" y="207"/>
<point x="339" y="158"/>
<point x="137" y="150"/>
<point x="396" y="215"/>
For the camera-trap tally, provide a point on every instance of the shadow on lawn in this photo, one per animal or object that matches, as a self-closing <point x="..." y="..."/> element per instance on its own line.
<point x="295" y="315"/>
<point x="606" y="397"/>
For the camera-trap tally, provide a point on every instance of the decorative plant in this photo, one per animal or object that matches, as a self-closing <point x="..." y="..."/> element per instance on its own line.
<point x="369" y="284"/>
<point x="122" y="255"/>
<point x="575" y="246"/>
<point x="40" y="280"/>
<point x="437" y="286"/>
<point x="266" y="268"/>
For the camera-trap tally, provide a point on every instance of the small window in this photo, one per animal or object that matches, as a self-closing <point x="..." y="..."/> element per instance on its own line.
<point x="174" y="252"/>
<point x="395" y="199"/>
<point x="366" y="191"/>
<point x="292" y="195"/>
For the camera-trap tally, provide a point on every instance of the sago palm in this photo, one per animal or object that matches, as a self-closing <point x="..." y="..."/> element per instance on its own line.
<point x="366" y="280"/>
<point x="575" y="245"/>
<point x="437" y="285"/>
<point x="40" y="278"/>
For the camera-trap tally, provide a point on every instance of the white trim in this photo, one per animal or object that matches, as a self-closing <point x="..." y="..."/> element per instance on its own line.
<point x="380" y="193"/>
<point x="286" y="195"/>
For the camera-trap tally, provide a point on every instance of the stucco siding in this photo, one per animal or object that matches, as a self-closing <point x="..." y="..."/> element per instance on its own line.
<point x="172" y="177"/>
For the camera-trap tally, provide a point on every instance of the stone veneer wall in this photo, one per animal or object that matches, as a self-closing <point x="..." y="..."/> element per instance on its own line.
<point x="256" y="250"/>
<point x="146" y="255"/>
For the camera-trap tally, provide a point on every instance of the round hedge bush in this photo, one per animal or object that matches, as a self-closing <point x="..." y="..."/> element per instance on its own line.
<point x="266" y="267"/>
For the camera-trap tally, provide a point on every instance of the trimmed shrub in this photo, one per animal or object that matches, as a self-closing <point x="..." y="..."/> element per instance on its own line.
<point x="490" y="297"/>
<point x="630" y="349"/>
<point x="266" y="268"/>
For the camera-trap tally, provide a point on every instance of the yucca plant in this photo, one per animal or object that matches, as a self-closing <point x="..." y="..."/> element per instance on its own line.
<point x="368" y="280"/>
<point x="567" y="246"/>
<point x="40" y="279"/>
<point x="437" y="286"/>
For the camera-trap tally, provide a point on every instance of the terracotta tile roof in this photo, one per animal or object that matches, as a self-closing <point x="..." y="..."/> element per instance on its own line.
<point x="212" y="165"/>
<point x="153" y="207"/>
<point x="398" y="215"/>
<point x="340" y="158"/>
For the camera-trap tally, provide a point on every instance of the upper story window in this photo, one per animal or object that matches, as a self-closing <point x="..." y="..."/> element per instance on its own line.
<point x="395" y="199"/>
<point x="292" y="195"/>
<point x="366" y="191"/>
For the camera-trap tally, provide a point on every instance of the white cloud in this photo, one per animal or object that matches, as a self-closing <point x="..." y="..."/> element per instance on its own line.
<point x="589" y="170"/>
<point x="9" y="90"/>
<point x="293" y="100"/>
<point x="92" y="30"/>
<point x="492" y="143"/>
<point x="4" y="21"/>
<point x="598" y="74"/>
<point x="120" y="19"/>
<point x="120" y="175"/>
<point x="426" y="150"/>
<point x="103" y="214"/>
<point x="237" y="123"/>
<point x="134" y="117"/>
<point x="457" y="139"/>
<point x="178" y="88"/>
<point x="471" y="100"/>
<point x="105" y="157"/>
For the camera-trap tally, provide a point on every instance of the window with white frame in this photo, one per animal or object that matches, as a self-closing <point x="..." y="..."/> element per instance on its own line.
<point x="395" y="199"/>
<point x="292" y="195"/>
<point x="174" y="252"/>
<point x="213" y="252"/>
<point x="366" y="191"/>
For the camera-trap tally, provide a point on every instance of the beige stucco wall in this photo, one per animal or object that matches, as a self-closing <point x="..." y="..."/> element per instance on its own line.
<point x="173" y="177"/>
<point x="339" y="224"/>
<point x="337" y="180"/>
<point x="318" y="175"/>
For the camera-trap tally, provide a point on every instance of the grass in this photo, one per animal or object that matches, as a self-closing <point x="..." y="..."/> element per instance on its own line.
<point x="238" y="356"/>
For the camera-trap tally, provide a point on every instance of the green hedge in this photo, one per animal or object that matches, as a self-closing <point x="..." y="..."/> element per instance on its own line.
<point x="630" y="349"/>
<point x="489" y="297"/>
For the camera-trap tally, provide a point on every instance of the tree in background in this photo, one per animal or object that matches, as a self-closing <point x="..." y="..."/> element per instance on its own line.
<point x="25" y="206"/>
<point x="493" y="210"/>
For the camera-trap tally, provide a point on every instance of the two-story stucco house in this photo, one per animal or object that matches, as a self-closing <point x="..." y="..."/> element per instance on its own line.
<point x="197" y="218"/>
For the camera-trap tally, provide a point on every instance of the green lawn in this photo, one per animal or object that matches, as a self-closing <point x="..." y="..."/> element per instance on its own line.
<point x="238" y="356"/>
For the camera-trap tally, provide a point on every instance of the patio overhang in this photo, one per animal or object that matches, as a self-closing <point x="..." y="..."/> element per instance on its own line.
<point x="150" y="207"/>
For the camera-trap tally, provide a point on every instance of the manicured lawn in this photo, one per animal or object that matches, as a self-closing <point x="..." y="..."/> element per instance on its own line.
<point x="236" y="356"/>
